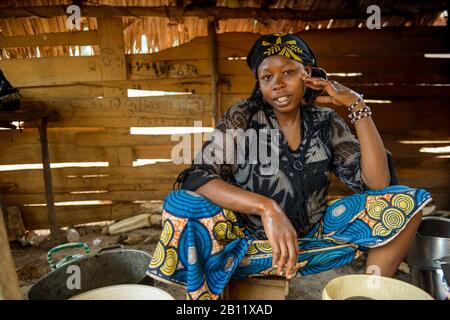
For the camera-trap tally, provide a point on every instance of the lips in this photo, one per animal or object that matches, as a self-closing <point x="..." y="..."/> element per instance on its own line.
<point x="282" y="101"/>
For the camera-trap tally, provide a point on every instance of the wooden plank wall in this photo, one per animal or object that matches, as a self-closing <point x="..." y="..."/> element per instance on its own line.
<point x="95" y="114"/>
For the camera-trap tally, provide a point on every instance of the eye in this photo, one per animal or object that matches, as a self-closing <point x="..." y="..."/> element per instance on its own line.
<point x="289" y="72"/>
<point x="266" y="77"/>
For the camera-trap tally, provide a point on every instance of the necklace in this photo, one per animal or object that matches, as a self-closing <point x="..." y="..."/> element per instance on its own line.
<point x="297" y="165"/>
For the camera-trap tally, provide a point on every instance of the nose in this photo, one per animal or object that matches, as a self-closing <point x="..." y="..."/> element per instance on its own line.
<point x="278" y="83"/>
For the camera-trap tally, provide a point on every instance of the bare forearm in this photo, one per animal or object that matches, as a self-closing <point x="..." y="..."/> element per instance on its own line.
<point x="374" y="165"/>
<point x="234" y="198"/>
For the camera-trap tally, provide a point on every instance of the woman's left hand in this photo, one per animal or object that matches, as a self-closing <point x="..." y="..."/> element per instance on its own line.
<point x="338" y="94"/>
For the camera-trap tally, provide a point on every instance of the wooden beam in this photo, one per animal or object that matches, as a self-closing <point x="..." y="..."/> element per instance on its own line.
<point x="386" y="42"/>
<point x="402" y="116"/>
<point x="82" y="38"/>
<point x="399" y="91"/>
<point x="66" y="91"/>
<point x="112" y="53"/>
<point x="177" y="110"/>
<point x="34" y="217"/>
<point x="151" y="177"/>
<point x="372" y="69"/>
<point x="51" y="71"/>
<point x="59" y="152"/>
<point x="359" y="12"/>
<point x="120" y="195"/>
<point x="25" y="116"/>
<point x="214" y="69"/>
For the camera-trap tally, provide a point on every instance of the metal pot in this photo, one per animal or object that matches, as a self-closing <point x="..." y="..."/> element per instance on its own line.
<point x="109" y="266"/>
<point x="445" y="264"/>
<point x="430" y="244"/>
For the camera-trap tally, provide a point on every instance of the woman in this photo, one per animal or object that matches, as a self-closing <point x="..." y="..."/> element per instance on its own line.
<point x="234" y="219"/>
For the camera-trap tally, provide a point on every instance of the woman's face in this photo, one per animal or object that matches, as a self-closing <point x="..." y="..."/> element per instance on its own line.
<point x="280" y="80"/>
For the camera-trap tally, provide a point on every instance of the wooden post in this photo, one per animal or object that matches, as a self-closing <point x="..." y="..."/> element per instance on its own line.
<point x="9" y="283"/>
<point x="54" y="227"/>
<point x="4" y="210"/>
<point x="112" y="54"/>
<point x="214" y="69"/>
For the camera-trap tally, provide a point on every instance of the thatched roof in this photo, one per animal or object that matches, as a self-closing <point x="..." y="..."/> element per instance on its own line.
<point x="165" y="32"/>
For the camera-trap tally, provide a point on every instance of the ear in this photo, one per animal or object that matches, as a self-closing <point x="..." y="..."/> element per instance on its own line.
<point x="308" y="69"/>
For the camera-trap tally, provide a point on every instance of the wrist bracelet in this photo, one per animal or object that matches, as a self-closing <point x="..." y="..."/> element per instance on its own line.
<point x="355" y="103"/>
<point x="360" y="111"/>
<point x="358" y="115"/>
<point x="361" y="116"/>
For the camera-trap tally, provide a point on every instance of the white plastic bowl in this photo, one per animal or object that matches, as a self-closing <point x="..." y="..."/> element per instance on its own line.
<point x="365" y="286"/>
<point x="124" y="292"/>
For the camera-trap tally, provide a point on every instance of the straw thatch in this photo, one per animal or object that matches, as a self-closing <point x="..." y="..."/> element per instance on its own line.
<point x="162" y="33"/>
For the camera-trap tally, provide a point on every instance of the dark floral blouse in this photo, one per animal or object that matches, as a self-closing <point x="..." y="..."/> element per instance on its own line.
<point x="327" y="145"/>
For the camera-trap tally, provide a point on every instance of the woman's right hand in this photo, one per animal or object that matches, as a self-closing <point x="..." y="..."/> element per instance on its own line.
<point x="282" y="237"/>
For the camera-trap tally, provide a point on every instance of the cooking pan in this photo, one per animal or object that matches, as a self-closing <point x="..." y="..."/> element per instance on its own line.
<point x="108" y="267"/>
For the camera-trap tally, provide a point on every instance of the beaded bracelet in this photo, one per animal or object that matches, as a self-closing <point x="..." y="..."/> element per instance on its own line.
<point x="356" y="103"/>
<point x="360" y="111"/>
<point x="358" y="115"/>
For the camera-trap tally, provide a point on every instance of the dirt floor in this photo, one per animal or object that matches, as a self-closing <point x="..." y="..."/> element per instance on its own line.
<point x="31" y="262"/>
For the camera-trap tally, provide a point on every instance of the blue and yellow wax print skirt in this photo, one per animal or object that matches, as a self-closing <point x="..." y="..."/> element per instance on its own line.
<point x="203" y="245"/>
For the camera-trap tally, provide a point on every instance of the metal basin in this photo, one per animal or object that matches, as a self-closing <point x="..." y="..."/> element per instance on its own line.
<point x="431" y="243"/>
<point x="106" y="268"/>
<point x="445" y="264"/>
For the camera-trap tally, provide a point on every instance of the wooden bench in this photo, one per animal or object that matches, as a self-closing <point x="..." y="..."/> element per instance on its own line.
<point x="258" y="288"/>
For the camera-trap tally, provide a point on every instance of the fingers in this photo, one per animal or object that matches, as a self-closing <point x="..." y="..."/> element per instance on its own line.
<point x="324" y="100"/>
<point x="319" y="84"/>
<point x="292" y="245"/>
<point x="313" y="87"/>
<point x="317" y="81"/>
<point x="275" y="253"/>
<point x="283" y="258"/>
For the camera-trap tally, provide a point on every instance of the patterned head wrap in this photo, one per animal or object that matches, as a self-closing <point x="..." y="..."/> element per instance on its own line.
<point x="282" y="44"/>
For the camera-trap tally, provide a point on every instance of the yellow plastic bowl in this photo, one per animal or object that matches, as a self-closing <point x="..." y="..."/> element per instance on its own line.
<point x="371" y="287"/>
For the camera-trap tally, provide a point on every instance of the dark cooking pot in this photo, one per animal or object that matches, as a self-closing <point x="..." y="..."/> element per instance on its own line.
<point x="109" y="266"/>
